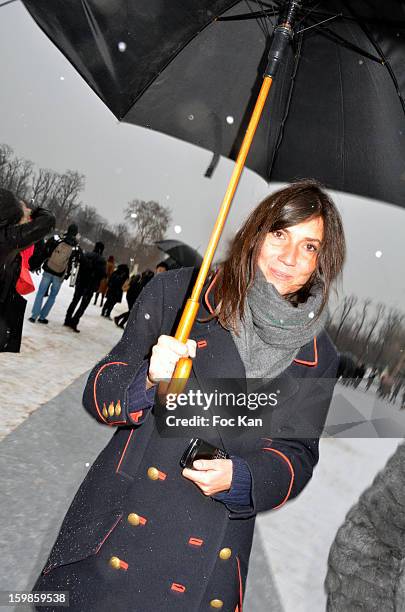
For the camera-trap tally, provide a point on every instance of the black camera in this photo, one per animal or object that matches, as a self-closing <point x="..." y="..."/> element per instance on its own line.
<point x="200" y="449"/>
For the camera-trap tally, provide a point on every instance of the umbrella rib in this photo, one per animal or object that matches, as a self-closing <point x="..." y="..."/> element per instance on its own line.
<point x="183" y="46"/>
<point x="345" y="43"/>
<point x="287" y="109"/>
<point x="7" y="2"/>
<point x="384" y="60"/>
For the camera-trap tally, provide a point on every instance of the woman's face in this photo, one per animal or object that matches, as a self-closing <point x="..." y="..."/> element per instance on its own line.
<point x="288" y="257"/>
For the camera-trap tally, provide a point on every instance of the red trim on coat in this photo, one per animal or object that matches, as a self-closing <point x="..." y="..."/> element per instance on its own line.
<point x="286" y="459"/>
<point x="202" y="344"/>
<point x="108" y="534"/>
<point x="310" y="363"/>
<point x="196" y="541"/>
<point x="179" y="588"/>
<point x="239" y="608"/>
<point x="210" y="286"/>
<point x="124" y="451"/>
<point x="135" y="416"/>
<point x="95" y="384"/>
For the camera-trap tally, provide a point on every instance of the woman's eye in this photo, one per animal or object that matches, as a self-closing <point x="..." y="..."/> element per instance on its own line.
<point x="277" y="233"/>
<point x="311" y="247"/>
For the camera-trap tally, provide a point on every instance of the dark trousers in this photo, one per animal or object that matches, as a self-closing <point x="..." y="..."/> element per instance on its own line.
<point x="80" y="294"/>
<point x="122" y="318"/>
<point x="108" y="306"/>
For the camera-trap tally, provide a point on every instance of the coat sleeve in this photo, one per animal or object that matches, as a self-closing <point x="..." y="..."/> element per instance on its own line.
<point x="106" y="396"/>
<point x="26" y="234"/>
<point x="281" y="467"/>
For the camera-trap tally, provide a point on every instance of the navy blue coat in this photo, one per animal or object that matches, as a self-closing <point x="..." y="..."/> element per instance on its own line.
<point x="142" y="539"/>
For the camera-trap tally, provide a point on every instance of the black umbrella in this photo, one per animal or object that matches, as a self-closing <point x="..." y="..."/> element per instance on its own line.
<point x="183" y="58"/>
<point x="192" y="69"/>
<point x="182" y="254"/>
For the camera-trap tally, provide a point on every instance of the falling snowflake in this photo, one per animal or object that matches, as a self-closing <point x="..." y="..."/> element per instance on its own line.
<point x="311" y="315"/>
<point x="177" y="229"/>
<point x="281" y="321"/>
<point x="230" y="119"/>
<point x="378" y="254"/>
<point x="62" y="78"/>
<point x="361" y="62"/>
<point x="87" y="464"/>
<point x="122" y="46"/>
<point x="147" y="316"/>
<point x="191" y="117"/>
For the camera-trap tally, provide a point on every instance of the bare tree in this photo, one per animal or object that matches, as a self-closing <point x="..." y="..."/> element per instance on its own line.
<point x="44" y="185"/>
<point x="6" y="154"/>
<point x="148" y="219"/>
<point x="70" y="185"/>
<point x="366" y="304"/>
<point x="348" y="303"/>
<point x="379" y="313"/>
<point x="389" y="332"/>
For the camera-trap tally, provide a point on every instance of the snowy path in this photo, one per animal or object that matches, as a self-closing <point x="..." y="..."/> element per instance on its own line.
<point x="51" y="357"/>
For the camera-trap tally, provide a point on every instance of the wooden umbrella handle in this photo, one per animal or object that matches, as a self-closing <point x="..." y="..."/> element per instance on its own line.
<point x="183" y="367"/>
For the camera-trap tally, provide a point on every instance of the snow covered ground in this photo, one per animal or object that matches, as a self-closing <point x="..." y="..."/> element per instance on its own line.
<point x="52" y="356"/>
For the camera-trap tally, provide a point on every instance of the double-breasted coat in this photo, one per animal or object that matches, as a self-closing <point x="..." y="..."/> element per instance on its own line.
<point x="139" y="536"/>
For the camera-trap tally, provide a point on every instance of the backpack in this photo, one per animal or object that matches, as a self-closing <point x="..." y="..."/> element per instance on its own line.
<point x="59" y="260"/>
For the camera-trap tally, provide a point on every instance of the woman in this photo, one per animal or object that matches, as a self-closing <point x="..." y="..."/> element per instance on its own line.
<point x="115" y="289"/>
<point x="136" y="284"/>
<point x="20" y="227"/>
<point x="142" y="534"/>
<point x="102" y="290"/>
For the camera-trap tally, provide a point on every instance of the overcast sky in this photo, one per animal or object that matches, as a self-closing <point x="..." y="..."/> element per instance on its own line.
<point x="49" y="115"/>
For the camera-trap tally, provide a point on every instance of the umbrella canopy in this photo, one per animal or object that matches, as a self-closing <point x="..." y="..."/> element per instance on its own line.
<point x="192" y="69"/>
<point x="182" y="254"/>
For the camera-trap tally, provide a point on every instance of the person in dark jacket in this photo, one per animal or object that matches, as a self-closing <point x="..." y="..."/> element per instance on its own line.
<point x="92" y="269"/>
<point x="136" y="284"/>
<point x="144" y="534"/>
<point x="115" y="289"/>
<point x="61" y="253"/>
<point x="19" y="228"/>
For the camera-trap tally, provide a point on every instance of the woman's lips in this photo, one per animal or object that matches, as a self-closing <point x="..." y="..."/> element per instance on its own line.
<point x="280" y="275"/>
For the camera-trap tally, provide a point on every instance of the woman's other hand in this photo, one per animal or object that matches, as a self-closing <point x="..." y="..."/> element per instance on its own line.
<point x="212" y="476"/>
<point x="165" y="355"/>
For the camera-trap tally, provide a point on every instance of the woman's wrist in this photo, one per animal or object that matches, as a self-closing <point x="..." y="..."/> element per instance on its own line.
<point x="149" y="383"/>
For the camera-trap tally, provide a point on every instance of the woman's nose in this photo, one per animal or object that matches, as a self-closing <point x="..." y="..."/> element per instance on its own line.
<point x="289" y="255"/>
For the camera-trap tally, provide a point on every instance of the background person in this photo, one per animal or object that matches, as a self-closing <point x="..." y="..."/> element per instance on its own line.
<point x="92" y="268"/>
<point x="161" y="267"/>
<point x="136" y="284"/>
<point x="143" y="534"/>
<point x="19" y="229"/>
<point x="102" y="289"/>
<point x="60" y="254"/>
<point x="115" y="289"/>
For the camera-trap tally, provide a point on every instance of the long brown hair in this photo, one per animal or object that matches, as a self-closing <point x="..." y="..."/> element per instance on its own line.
<point x="290" y="206"/>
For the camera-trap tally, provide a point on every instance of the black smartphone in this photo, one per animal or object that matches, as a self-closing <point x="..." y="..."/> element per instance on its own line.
<point x="200" y="449"/>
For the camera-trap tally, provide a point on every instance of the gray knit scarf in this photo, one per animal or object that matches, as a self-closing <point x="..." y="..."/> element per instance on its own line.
<point x="274" y="330"/>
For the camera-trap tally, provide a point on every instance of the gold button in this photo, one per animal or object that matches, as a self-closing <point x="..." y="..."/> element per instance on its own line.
<point x="133" y="519"/>
<point x="111" y="409"/>
<point x="114" y="562"/>
<point x="153" y="473"/>
<point x="105" y="413"/>
<point x="118" y="408"/>
<point x="225" y="553"/>
<point x="216" y="603"/>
